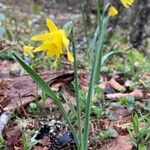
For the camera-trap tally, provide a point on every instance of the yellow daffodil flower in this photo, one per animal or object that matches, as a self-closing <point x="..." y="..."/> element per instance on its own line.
<point x="127" y="3"/>
<point x="112" y="11"/>
<point x="28" y="50"/>
<point x="53" y="41"/>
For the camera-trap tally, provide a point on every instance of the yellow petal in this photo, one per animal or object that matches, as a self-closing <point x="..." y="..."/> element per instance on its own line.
<point x="57" y="54"/>
<point x="65" y="39"/>
<point x="53" y="50"/>
<point x="112" y="11"/>
<point x="50" y="53"/>
<point x="127" y="3"/>
<point x="28" y="50"/>
<point x="70" y="56"/>
<point x="57" y="39"/>
<point x="42" y="47"/>
<point x="51" y="25"/>
<point x="42" y="37"/>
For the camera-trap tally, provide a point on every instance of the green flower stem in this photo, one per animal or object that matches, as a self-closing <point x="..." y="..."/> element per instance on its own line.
<point x="77" y="89"/>
<point x="102" y="31"/>
<point x="92" y="44"/>
<point x="97" y="9"/>
<point x="94" y="79"/>
<point x="84" y="18"/>
<point x="88" y="104"/>
<point x="102" y="24"/>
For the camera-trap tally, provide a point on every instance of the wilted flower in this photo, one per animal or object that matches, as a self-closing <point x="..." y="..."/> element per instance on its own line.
<point x="53" y="41"/>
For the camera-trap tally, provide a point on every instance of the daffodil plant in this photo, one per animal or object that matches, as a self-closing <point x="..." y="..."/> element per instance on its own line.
<point x="53" y="43"/>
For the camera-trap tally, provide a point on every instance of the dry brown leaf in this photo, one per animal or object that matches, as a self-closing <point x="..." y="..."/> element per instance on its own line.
<point x="84" y="81"/>
<point x="123" y="122"/>
<point x="119" y="125"/>
<point x="45" y="141"/>
<point x="49" y="103"/>
<point x="118" y="112"/>
<point x="119" y="143"/>
<point x="67" y="94"/>
<point x="14" y="103"/>
<point x="56" y="86"/>
<point x="19" y="91"/>
<point x="40" y="148"/>
<point x="12" y="137"/>
<point x="17" y="148"/>
<point x="62" y="75"/>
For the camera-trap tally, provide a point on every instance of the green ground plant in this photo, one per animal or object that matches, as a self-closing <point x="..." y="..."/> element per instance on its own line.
<point x="141" y="136"/>
<point x="28" y="143"/>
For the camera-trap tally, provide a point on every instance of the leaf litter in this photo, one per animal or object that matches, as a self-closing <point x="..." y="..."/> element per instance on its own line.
<point x="18" y="92"/>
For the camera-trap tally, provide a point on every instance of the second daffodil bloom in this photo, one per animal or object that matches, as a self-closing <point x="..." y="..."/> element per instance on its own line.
<point x="127" y="3"/>
<point x="28" y="50"/>
<point x="53" y="41"/>
<point x="112" y="11"/>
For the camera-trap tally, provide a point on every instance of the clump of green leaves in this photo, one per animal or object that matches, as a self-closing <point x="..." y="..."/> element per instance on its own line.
<point x="128" y="102"/>
<point x="141" y="136"/>
<point x="133" y="65"/>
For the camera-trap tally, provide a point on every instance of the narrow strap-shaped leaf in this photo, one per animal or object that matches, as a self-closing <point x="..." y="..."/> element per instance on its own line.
<point x="93" y="81"/>
<point x="115" y="52"/>
<point x="77" y="89"/>
<point x="135" y="122"/>
<point x="44" y="86"/>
